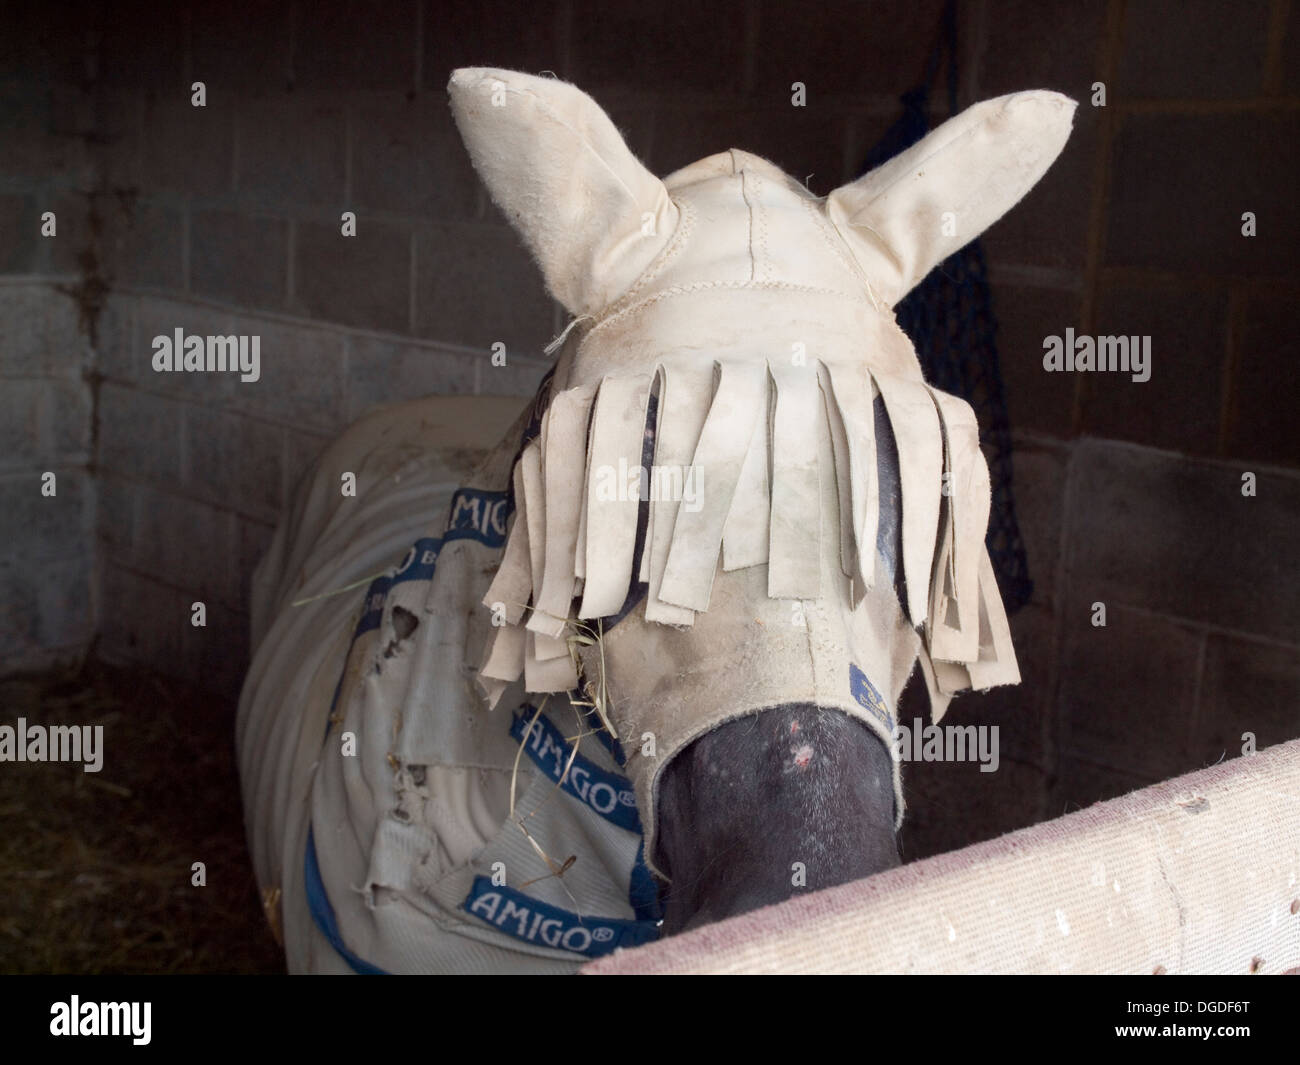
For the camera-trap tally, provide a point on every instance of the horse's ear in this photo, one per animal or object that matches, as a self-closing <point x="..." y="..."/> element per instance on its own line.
<point x="592" y="215"/>
<point x="912" y="212"/>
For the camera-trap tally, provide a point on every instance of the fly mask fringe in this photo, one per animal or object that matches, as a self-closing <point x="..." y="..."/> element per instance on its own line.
<point x="735" y="477"/>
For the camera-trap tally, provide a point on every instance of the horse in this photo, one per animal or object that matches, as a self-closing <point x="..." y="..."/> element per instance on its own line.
<point x="643" y="675"/>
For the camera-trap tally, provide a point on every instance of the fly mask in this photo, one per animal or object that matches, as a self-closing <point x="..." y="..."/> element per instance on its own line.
<point x="754" y="320"/>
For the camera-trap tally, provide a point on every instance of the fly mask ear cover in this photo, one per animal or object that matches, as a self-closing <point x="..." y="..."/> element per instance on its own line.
<point x="760" y="315"/>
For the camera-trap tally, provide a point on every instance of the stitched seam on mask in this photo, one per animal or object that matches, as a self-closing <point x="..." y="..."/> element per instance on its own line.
<point x="749" y="207"/>
<point x="808" y="640"/>
<point x="834" y="241"/>
<point x="685" y="227"/>
<point x="702" y="286"/>
<point x="761" y="262"/>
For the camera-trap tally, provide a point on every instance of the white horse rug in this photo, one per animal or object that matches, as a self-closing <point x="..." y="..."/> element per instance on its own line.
<point x="378" y="829"/>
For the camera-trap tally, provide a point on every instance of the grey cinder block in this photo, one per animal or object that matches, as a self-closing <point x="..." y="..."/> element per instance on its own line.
<point x="1177" y="537"/>
<point x="1128" y="689"/>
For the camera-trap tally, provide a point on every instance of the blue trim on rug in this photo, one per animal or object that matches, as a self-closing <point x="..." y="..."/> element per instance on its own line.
<point x="323" y="913"/>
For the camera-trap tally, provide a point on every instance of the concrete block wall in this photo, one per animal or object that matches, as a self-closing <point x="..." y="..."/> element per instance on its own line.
<point x="230" y="223"/>
<point x="47" y="564"/>
<point x="47" y="498"/>
<point x="226" y="219"/>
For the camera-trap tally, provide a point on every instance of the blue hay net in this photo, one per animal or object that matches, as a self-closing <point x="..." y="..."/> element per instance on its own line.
<point x="949" y="319"/>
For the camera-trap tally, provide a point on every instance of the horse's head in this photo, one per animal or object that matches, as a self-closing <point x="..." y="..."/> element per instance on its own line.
<point x="811" y="515"/>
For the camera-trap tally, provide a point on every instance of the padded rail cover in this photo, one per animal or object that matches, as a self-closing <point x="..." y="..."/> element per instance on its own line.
<point x="1200" y="874"/>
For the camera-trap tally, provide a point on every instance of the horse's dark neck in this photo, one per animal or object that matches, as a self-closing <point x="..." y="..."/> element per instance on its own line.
<point x="744" y="808"/>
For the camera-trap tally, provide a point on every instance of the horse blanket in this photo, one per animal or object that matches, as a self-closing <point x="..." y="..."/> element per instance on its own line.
<point x="364" y="855"/>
